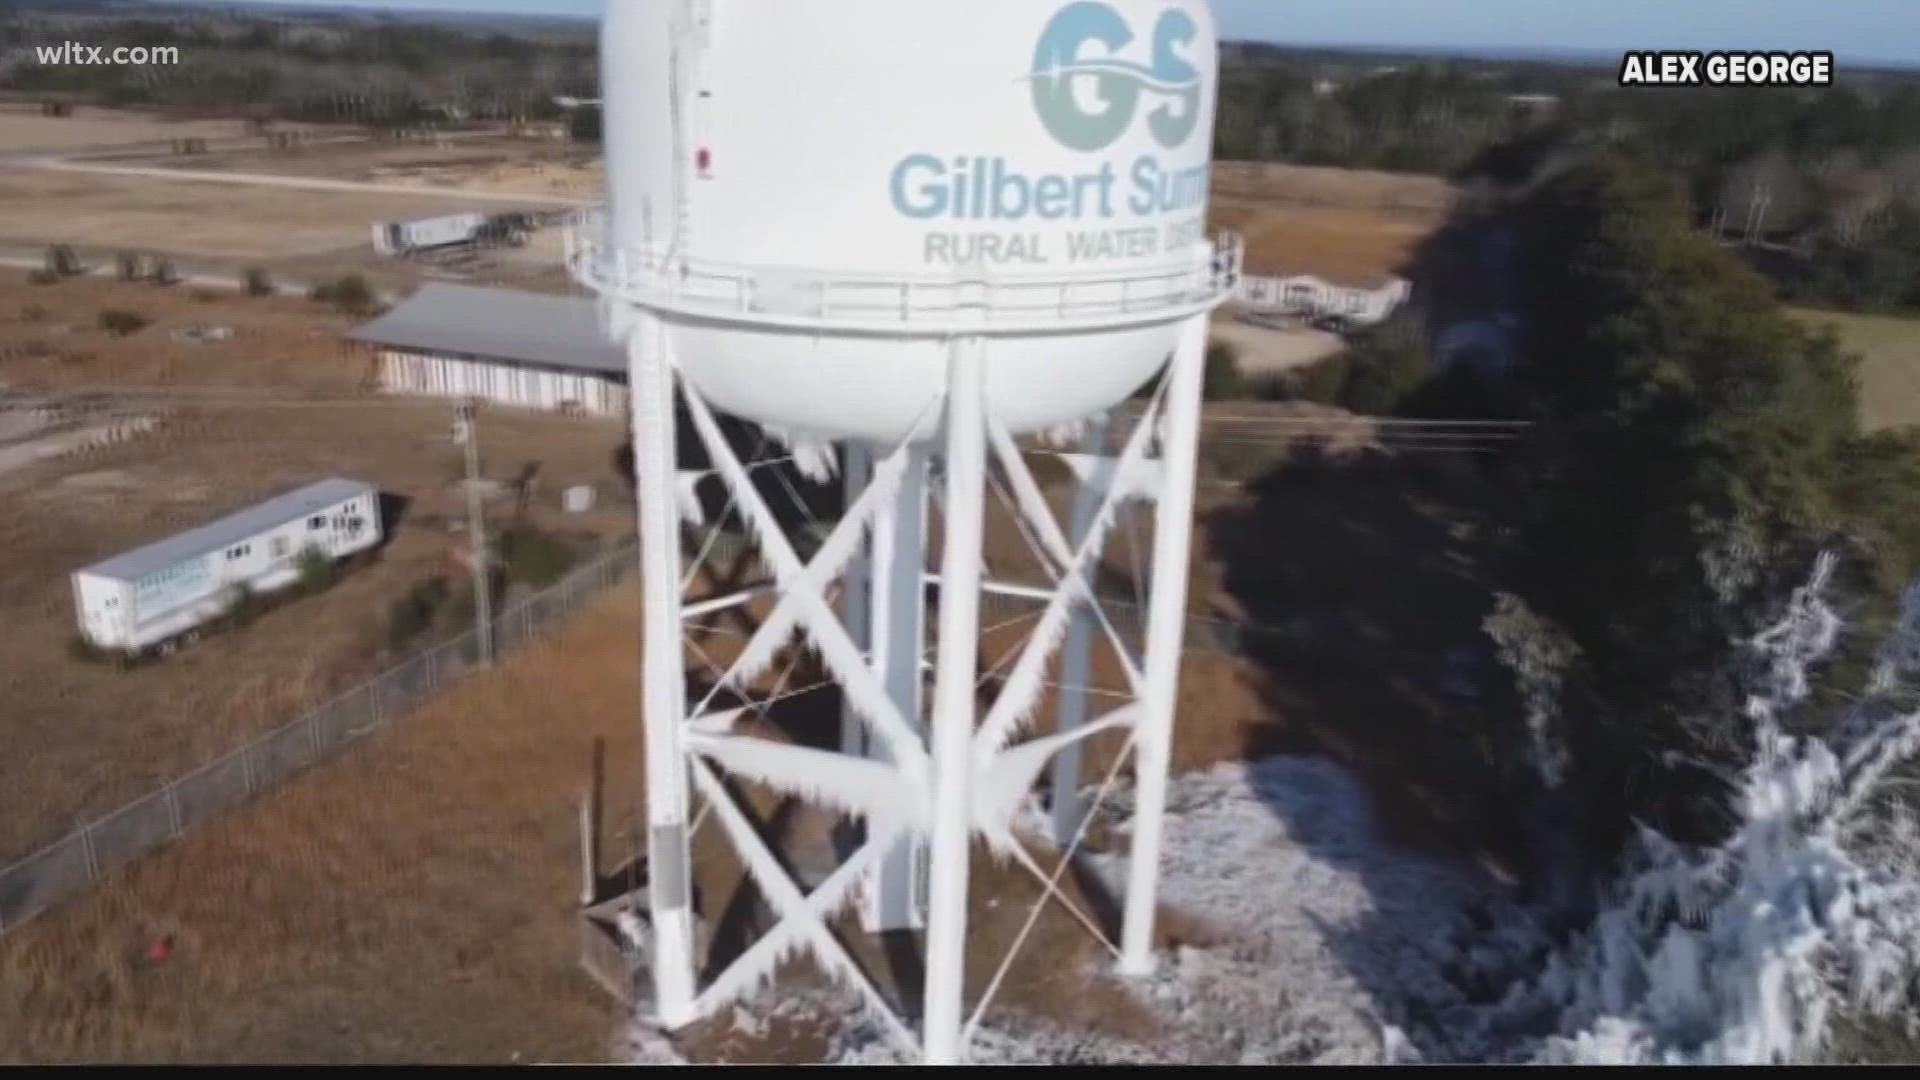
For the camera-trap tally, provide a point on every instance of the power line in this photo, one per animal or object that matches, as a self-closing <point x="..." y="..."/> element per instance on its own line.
<point x="109" y="404"/>
<point x="1365" y="421"/>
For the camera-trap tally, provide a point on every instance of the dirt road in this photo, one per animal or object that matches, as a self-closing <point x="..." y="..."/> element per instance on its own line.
<point x="300" y="183"/>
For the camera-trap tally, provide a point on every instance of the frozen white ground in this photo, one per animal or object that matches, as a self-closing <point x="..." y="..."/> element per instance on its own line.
<point x="1340" y="949"/>
<point x="1335" y="941"/>
<point x="1335" y="936"/>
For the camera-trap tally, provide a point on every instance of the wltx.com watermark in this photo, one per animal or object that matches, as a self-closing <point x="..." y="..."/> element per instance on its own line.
<point x="79" y="54"/>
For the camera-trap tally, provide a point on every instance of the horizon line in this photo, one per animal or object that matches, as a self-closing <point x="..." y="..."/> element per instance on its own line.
<point x="1583" y="55"/>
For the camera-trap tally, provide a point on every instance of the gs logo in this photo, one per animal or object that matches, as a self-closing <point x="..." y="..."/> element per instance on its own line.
<point x="1122" y="83"/>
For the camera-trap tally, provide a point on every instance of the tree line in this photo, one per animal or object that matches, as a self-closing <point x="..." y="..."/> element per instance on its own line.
<point x="382" y="74"/>
<point x="1693" y="450"/>
<point x="1819" y="188"/>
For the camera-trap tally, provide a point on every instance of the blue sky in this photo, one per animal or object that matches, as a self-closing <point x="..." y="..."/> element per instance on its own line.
<point x="1877" y="30"/>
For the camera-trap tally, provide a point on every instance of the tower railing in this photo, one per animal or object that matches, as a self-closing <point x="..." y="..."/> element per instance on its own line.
<point x="982" y="300"/>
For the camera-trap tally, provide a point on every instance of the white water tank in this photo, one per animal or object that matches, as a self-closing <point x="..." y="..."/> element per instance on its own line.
<point x="818" y="195"/>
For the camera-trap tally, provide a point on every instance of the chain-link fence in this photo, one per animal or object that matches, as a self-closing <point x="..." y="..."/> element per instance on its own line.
<point x="77" y="860"/>
<point x="70" y="864"/>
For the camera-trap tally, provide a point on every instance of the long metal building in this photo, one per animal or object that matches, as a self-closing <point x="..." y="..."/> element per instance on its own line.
<point x="514" y="348"/>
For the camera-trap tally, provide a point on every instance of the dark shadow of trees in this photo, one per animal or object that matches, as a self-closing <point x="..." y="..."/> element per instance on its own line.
<point x="1376" y="570"/>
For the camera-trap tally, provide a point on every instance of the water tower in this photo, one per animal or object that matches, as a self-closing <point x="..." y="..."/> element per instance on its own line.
<point x="902" y="237"/>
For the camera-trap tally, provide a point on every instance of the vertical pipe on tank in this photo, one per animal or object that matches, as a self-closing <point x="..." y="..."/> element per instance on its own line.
<point x="1076" y="659"/>
<point x="898" y="632"/>
<point x="856" y="587"/>
<point x="953" y="703"/>
<point x="663" y="668"/>
<point x="1166" y="626"/>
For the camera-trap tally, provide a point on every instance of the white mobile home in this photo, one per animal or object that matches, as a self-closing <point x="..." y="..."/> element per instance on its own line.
<point x="154" y="594"/>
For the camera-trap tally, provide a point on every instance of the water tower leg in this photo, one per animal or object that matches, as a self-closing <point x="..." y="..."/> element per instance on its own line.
<point x="1076" y="661"/>
<point x="856" y="585"/>
<point x="663" y="665"/>
<point x="953" y="701"/>
<point x="898" y="631"/>
<point x="1166" y="627"/>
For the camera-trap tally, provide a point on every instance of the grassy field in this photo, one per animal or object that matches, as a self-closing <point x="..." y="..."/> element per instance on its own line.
<point x="1890" y="376"/>
<point x="1345" y="225"/>
<point x="50" y="338"/>
<point x="23" y="127"/>
<point x="186" y="218"/>
<point x="412" y="901"/>
<point x="84" y="738"/>
<point x="408" y="903"/>
<point x="1349" y="246"/>
<point x="1307" y="185"/>
<point x="525" y="166"/>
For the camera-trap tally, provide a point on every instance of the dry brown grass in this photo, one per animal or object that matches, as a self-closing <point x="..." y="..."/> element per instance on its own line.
<point x="189" y="218"/>
<point x="1349" y="226"/>
<point x="1308" y="185"/>
<point x="1219" y="711"/>
<point x="412" y="900"/>
<point x="50" y="338"/>
<point x="1344" y="245"/>
<point x="23" y="127"/>
<point x="532" y="166"/>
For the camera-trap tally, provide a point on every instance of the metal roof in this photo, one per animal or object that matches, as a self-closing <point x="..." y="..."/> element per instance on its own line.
<point x="500" y="324"/>
<point x="230" y="530"/>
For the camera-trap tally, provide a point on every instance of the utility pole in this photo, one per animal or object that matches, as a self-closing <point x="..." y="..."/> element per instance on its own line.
<point x="466" y="432"/>
<point x="1760" y="202"/>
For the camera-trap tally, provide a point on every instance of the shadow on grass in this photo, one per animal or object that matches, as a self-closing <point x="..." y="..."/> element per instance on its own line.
<point x="1379" y="570"/>
<point x="1376" y="569"/>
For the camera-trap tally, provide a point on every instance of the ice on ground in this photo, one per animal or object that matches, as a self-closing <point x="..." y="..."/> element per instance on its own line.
<point x="1332" y="944"/>
<point x="1329" y="944"/>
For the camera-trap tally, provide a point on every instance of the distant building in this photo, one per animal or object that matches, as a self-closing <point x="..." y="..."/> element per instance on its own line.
<point x="522" y="349"/>
<point x="1343" y="305"/>
<point x="1533" y="108"/>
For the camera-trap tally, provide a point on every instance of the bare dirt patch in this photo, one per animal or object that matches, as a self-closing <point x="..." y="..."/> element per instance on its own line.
<point x="1265" y="351"/>
<point x="494" y="163"/>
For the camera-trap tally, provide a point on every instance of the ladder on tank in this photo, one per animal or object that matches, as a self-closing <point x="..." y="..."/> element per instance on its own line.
<point x="692" y="32"/>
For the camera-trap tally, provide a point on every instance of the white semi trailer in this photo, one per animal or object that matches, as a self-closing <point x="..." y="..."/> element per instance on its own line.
<point x="154" y="595"/>
<point x="425" y="234"/>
